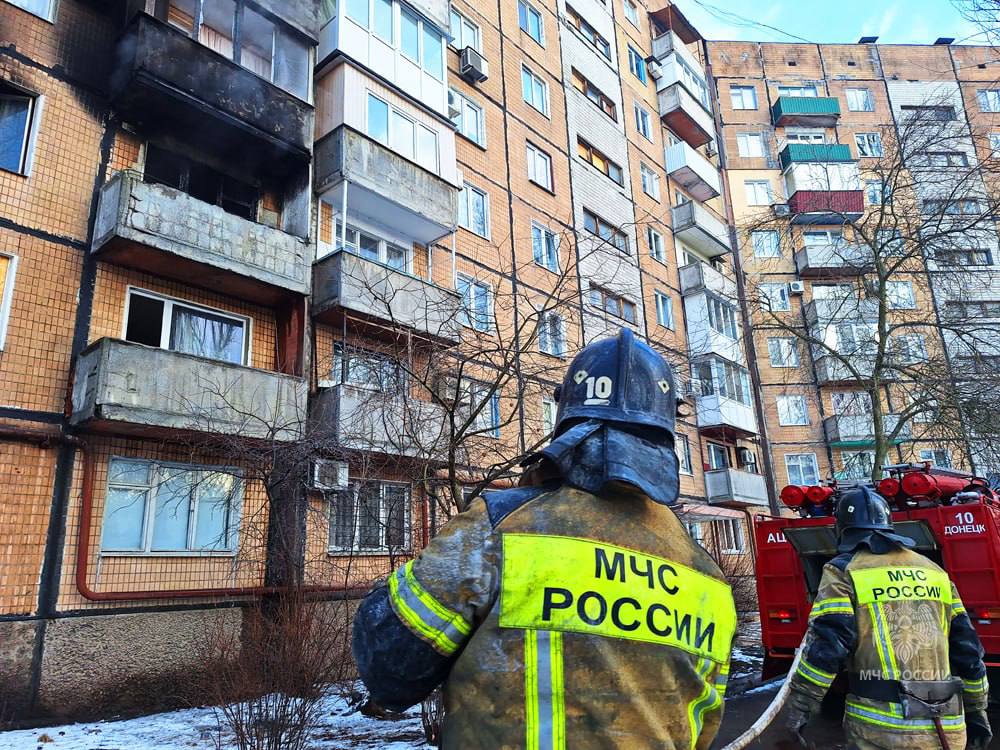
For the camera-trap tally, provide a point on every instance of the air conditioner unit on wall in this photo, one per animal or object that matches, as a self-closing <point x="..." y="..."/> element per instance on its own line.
<point x="782" y="209"/>
<point x="796" y="287"/>
<point x="329" y="475"/>
<point x="473" y="66"/>
<point x="654" y="68"/>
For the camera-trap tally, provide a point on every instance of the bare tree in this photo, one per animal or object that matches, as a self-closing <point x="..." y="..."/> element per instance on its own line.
<point x="897" y="309"/>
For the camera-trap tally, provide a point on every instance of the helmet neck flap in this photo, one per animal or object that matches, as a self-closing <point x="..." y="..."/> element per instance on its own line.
<point x="593" y="454"/>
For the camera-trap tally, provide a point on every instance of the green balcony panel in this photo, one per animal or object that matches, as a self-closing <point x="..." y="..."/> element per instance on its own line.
<point x="806" y="110"/>
<point x="798" y="153"/>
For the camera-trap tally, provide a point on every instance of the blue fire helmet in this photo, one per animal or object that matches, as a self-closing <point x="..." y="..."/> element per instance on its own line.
<point x="618" y="380"/>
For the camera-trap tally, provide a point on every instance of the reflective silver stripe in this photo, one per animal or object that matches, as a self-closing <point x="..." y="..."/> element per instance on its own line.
<point x="893" y="718"/>
<point x="544" y="650"/>
<point x="449" y="638"/>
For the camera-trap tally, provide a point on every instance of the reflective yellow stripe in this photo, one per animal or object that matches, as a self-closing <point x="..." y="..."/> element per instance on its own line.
<point x="709" y="699"/>
<point x="975" y="686"/>
<point x="422" y="614"/>
<point x="584" y="586"/>
<point x="544" y="691"/>
<point x="814" y="675"/>
<point x="832" y="606"/>
<point x="893" y="718"/>
<point x="722" y="680"/>
<point x="901" y="584"/>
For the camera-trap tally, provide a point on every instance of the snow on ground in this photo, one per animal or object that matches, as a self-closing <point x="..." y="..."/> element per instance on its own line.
<point x="340" y="727"/>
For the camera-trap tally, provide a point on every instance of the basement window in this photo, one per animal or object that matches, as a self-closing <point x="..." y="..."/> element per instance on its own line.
<point x="158" y="508"/>
<point x="202" y="182"/>
<point x="189" y="329"/>
<point x="255" y="41"/>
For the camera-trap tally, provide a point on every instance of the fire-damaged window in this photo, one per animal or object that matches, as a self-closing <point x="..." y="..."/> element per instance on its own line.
<point x="17" y="123"/>
<point x="162" y="508"/>
<point x="371" y="517"/>
<point x="239" y="32"/>
<point x="190" y="329"/>
<point x="202" y="182"/>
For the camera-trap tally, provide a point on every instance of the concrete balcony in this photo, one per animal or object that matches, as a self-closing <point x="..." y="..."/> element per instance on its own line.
<point x="375" y="422"/>
<point x="670" y="43"/>
<point x="682" y="112"/>
<point x="831" y="370"/>
<point x="725" y="418"/>
<point x="822" y="312"/>
<point x="383" y="302"/>
<point x="858" y="430"/>
<point x="693" y="172"/>
<point x="166" y="81"/>
<point x="159" y="230"/>
<point x="384" y="188"/>
<point x="834" y="259"/>
<point x="808" y="111"/>
<point x="698" y="227"/>
<point x="132" y="389"/>
<point x="734" y="487"/>
<point x="696" y="277"/>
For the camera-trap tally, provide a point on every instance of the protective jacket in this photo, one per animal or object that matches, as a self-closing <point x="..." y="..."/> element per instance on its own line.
<point x="559" y="619"/>
<point x="886" y="618"/>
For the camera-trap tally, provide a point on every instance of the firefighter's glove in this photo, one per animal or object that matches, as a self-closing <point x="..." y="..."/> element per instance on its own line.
<point x="801" y="708"/>
<point x="977" y="730"/>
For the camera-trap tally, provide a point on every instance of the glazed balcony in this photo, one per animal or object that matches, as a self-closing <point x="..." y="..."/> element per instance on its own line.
<point x="682" y="111"/>
<point x="697" y="277"/>
<point x="857" y="430"/>
<point x="381" y="301"/>
<point x="163" y="231"/>
<point x="133" y="389"/>
<point x="165" y="80"/>
<point x="811" y="153"/>
<point x="366" y="420"/>
<point x="826" y="207"/>
<point x="735" y="487"/>
<point x="822" y="312"/>
<point x="831" y="370"/>
<point x="834" y="259"/>
<point x="808" y="111"/>
<point x="698" y="227"/>
<point x="693" y="172"/>
<point x="383" y="187"/>
<point x="725" y="418"/>
<point x="670" y="43"/>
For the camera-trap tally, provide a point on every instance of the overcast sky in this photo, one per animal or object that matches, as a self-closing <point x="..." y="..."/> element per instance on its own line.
<point x="893" y="21"/>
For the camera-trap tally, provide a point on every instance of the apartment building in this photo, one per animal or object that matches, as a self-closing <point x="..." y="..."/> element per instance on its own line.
<point x="808" y="133"/>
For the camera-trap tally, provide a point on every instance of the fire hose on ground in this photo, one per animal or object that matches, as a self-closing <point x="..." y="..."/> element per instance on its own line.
<point x="770" y="713"/>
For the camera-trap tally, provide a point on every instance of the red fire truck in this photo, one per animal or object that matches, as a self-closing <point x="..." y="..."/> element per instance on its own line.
<point x="953" y="517"/>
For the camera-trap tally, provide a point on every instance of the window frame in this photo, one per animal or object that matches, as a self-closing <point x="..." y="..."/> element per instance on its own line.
<point x="614" y="232"/>
<point x="529" y="8"/>
<point x="685" y="460"/>
<point x="807" y="91"/>
<point x="637" y="64"/>
<point x="747" y="138"/>
<point x="799" y="468"/>
<point x="792" y="361"/>
<point x="546" y="259"/>
<point x="151" y="488"/>
<point x="648" y="174"/>
<point x="754" y="185"/>
<point x="7" y="296"/>
<point x="643" y="118"/>
<point x="868" y="103"/>
<point x="909" y="297"/>
<point x="389" y="143"/>
<point x="534" y="156"/>
<point x="739" y="92"/>
<point x="335" y="245"/>
<point x="872" y="142"/>
<point x="463" y="19"/>
<point x="535" y="79"/>
<point x="592" y="156"/>
<point x="593" y="94"/>
<point x="633" y="16"/>
<point x="944" y="451"/>
<point x="549" y="413"/>
<point x="465" y="195"/>
<point x="620" y="301"/>
<point x="588" y="32"/>
<point x="546" y="344"/>
<point x="730" y="530"/>
<point x="664" y="303"/>
<point x="26" y="156"/>
<point x="775" y="245"/>
<point x="483" y="428"/>
<point x="657" y="249"/>
<point x="469" y="317"/>
<point x="785" y="399"/>
<point x="49" y="15"/>
<point x="465" y="102"/>
<point x="784" y="295"/>
<point x="169" y="303"/>
<point x="353" y="492"/>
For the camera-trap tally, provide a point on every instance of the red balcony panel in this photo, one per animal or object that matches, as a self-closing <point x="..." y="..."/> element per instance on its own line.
<point x="846" y="202"/>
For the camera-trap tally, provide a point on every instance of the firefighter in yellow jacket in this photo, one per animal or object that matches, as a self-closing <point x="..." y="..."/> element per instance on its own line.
<point x="574" y="613"/>
<point x="894" y="621"/>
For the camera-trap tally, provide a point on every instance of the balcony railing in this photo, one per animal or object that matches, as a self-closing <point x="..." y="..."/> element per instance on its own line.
<point x="383" y="187"/>
<point x="165" y="79"/>
<point x="383" y="301"/>
<point x="693" y="172"/>
<point x="834" y="259"/>
<point x="824" y="153"/>
<point x="696" y="226"/>
<point x="731" y="486"/>
<point x="682" y="112"/>
<point x="826" y="206"/>
<point x="725" y="417"/>
<point x="819" y="111"/>
<point x="696" y="277"/>
<point x="376" y="422"/>
<point x="164" y="231"/>
<point x="127" y="388"/>
<point x="857" y="430"/>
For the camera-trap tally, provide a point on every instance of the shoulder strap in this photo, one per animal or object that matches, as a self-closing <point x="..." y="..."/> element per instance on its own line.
<point x="501" y="503"/>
